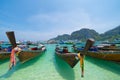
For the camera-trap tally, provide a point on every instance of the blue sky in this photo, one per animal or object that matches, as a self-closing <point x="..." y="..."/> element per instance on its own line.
<point x="45" y="19"/>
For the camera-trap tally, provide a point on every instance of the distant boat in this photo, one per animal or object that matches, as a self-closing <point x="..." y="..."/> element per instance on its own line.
<point x="68" y="57"/>
<point x="108" y="46"/>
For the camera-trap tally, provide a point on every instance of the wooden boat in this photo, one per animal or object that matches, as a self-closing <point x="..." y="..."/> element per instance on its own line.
<point x="5" y="52"/>
<point x="70" y="58"/>
<point x="110" y="49"/>
<point x="4" y="55"/>
<point x="107" y="46"/>
<point x="106" y="55"/>
<point x="24" y="56"/>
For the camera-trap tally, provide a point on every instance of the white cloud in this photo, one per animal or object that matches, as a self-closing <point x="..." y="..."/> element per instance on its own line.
<point x="62" y="22"/>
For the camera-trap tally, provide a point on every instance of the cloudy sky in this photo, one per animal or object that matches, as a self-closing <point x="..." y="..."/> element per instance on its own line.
<point x="45" y="19"/>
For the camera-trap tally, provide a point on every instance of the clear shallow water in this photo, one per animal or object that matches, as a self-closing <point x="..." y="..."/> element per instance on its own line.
<point x="50" y="67"/>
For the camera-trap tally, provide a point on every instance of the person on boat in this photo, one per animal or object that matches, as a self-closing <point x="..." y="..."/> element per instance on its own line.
<point x="12" y="56"/>
<point x="81" y="57"/>
<point x="65" y="49"/>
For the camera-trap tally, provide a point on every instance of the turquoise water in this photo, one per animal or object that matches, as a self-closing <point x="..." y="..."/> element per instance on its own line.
<point x="50" y="67"/>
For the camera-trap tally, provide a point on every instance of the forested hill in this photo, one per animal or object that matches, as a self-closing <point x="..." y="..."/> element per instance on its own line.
<point x="85" y="33"/>
<point x="111" y="34"/>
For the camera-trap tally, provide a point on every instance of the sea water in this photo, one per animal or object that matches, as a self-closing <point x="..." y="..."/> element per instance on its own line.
<point x="50" y="67"/>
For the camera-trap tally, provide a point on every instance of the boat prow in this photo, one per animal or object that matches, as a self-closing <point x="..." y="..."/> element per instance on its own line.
<point x="70" y="58"/>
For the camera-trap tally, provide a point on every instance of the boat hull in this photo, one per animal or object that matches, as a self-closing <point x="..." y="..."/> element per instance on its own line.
<point x="4" y="55"/>
<point x="106" y="55"/>
<point x="24" y="56"/>
<point x="70" y="58"/>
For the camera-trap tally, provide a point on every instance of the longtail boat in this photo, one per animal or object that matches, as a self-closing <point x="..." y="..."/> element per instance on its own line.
<point x="4" y="55"/>
<point x="5" y="50"/>
<point x="111" y="54"/>
<point x="70" y="58"/>
<point x="24" y="56"/>
<point x="106" y="55"/>
<point x="110" y="49"/>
